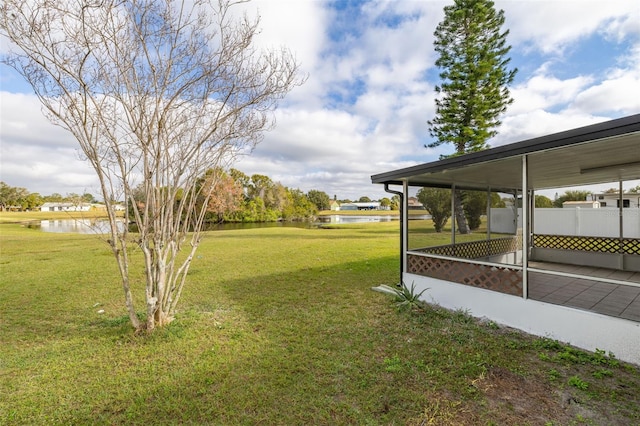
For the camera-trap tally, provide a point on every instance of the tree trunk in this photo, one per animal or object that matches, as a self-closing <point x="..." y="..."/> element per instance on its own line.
<point x="461" y="220"/>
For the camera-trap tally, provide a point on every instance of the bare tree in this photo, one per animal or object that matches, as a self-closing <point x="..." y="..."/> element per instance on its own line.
<point x="155" y="93"/>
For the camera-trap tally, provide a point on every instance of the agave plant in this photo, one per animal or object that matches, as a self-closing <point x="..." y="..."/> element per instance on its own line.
<point x="403" y="296"/>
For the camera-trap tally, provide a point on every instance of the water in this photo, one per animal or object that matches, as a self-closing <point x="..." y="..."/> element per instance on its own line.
<point x="76" y="226"/>
<point x="101" y="226"/>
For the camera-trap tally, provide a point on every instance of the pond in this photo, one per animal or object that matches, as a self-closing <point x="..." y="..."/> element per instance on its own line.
<point x="318" y="222"/>
<point x="101" y="226"/>
<point x="77" y="226"/>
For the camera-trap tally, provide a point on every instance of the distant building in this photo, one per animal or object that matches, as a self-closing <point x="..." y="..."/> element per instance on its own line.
<point x="103" y="207"/>
<point x="414" y="204"/>
<point x="334" y="205"/>
<point x="613" y="200"/>
<point x="348" y="206"/>
<point x="65" y="207"/>
<point x="372" y="205"/>
<point x="581" y="204"/>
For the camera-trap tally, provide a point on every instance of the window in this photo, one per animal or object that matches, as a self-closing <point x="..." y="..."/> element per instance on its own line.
<point x="625" y="203"/>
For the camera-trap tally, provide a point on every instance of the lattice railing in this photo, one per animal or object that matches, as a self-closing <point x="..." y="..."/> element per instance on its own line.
<point x="477" y="249"/>
<point x="497" y="278"/>
<point x="594" y="244"/>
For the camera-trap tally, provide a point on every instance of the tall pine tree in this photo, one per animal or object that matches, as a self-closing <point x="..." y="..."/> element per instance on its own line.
<point x="475" y="76"/>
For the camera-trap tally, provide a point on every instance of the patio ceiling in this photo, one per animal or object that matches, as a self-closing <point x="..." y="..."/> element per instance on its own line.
<point x="604" y="152"/>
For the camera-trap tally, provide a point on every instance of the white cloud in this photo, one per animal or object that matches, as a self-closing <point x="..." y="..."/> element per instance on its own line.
<point x="24" y="123"/>
<point x="365" y="105"/>
<point x="539" y="122"/>
<point x="619" y="89"/>
<point x="619" y="94"/>
<point x="550" y="26"/>
<point x="298" y="26"/>
<point x="546" y="92"/>
<point x="614" y="91"/>
<point x="36" y="154"/>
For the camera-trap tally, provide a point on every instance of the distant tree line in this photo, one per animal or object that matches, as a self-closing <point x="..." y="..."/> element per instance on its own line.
<point x="17" y="198"/>
<point x="237" y="197"/>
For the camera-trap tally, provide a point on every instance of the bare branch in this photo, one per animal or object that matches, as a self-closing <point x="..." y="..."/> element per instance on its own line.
<point x="155" y="93"/>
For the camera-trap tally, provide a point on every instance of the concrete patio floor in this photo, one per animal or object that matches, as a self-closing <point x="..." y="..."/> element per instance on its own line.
<point x="617" y="300"/>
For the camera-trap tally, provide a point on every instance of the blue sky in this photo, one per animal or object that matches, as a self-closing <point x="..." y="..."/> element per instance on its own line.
<point x="370" y="90"/>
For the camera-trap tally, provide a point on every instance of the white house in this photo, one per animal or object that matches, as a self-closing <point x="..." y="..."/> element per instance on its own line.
<point x="613" y="200"/>
<point x="65" y="207"/>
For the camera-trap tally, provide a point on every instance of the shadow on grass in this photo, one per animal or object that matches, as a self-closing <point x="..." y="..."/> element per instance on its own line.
<point x="296" y="348"/>
<point x="300" y="347"/>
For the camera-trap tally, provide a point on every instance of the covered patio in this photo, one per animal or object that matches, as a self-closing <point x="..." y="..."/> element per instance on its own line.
<point x="619" y="296"/>
<point x="527" y="271"/>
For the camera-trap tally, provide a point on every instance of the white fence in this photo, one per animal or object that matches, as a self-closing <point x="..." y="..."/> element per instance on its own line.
<point x="602" y="222"/>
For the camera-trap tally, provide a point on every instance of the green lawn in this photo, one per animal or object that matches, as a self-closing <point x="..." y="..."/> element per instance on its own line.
<point x="278" y="326"/>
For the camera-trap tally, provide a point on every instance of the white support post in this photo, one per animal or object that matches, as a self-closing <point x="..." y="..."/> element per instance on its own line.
<point x="488" y="220"/>
<point x="532" y="213"/>
<point x="405" y="228"/>
<point x="525" y="227"/>
<point x="621" y="226"/>
<point x="453" y="214"/>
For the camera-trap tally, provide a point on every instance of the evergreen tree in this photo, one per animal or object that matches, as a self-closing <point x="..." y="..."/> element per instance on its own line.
<point x="474" y="75"/>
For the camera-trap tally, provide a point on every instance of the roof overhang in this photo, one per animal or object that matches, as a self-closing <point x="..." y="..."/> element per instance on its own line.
<point x="603" y="152"/>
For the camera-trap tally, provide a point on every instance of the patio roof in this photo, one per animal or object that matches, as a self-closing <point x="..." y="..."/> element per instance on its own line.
<point x="603" y="152"/>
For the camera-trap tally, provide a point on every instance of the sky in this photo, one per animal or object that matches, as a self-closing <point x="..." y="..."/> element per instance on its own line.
<point x="371" y="73"/>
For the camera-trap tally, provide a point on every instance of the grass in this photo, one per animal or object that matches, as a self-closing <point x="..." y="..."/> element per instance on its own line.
<point x="422" y="234"/>
<point x="277" y="326"/>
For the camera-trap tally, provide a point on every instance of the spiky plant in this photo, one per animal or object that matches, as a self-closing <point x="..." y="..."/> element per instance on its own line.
<point x="404" y="297"/>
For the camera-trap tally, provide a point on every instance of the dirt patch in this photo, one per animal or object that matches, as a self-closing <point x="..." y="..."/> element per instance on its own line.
<point x="515" y="399"/>
<point x="510" y="399"/>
